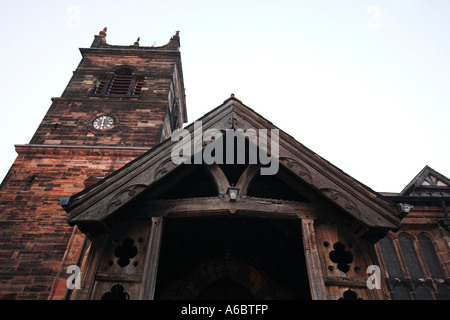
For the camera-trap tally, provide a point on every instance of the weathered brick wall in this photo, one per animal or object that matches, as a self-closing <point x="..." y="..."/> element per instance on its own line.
<point x="34" y="234"/>
<point x="66" y="153"/>
<point x="156" y="67"/>
<point x="70" y="123"/>
<point x="139" y="118"/>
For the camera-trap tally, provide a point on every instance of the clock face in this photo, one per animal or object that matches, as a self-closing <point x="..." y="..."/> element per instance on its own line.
<point x="103" y="122"/>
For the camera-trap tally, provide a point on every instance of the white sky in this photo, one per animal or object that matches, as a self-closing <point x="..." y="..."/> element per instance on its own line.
<point x="364" y="84"/>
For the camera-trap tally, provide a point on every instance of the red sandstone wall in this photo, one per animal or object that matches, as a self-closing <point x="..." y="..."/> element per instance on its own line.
<point x="34" y="234"/>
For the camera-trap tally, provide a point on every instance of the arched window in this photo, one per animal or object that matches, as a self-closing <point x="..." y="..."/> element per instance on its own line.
<point x="429" y="254"/>
<point x="390" y="258"/>
<point x="409" y="266"/>
<point x="423" y="293"/>
<point x="401" y="292"/>
<point x="410" y="256"/>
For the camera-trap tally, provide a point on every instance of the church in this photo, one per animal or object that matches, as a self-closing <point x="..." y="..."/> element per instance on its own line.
<point x="112" y="199"/>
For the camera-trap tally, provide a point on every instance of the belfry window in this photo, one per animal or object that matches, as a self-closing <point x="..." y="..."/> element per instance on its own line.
<point x="138" y="87"/>
<point x="122" y="82"/>
<point x="100" y="84"/>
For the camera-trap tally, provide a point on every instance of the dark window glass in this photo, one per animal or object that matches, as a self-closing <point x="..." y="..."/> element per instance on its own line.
<point x="390" y="258"/>
<point x="443" y="293"/>
<point x="401" y="293"/>
<point x="410" y="256"/>
<point x="429" y="254"/>
<point x="422" y="293"/>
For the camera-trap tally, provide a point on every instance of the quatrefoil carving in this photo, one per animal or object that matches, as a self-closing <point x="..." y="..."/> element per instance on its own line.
<point x="125" y="252"/>
<point x="341" y="256"/>
<point x="117" y="292"/>
<point x="350" y="295"/>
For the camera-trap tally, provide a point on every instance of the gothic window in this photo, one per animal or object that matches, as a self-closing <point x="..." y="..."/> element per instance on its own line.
<point x="390" y="258"/>
<point x="409" y="264"/>
<point x="423" y="293"/>
<point x="430" y="257"/>
<point x="400" y="292"/>
<point x="410" y="256"/>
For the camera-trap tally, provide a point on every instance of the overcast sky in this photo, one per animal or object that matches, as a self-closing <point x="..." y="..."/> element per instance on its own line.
<point x="364" y="84"/>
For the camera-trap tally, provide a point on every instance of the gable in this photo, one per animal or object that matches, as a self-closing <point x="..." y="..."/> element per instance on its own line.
<point x="428" y="182"/>
<point x="95" y="204"/>
<point x="431" y="180"/>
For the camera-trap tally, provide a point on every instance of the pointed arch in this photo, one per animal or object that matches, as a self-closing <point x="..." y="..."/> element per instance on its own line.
<point x="428" y="252"/>
<point x="401" y="292"/>
<point x="409" y="255"/>
<point x="423" y="292"/>
<point x="390" y="258"/>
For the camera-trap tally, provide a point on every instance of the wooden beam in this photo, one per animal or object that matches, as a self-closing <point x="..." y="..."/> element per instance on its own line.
<point x="313" y="265"/>
<point x="91" y="267"/>
<point x="152" y="260"/>
<point x="346" y="282"/>
<point x="208" y="206"/>
<point x="104" y="276"/>
<point x="220" y="179"/>
<point x="246" y="178"/>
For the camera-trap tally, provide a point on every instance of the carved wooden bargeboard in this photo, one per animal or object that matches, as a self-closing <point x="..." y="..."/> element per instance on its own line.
<point x="335" y="220"/>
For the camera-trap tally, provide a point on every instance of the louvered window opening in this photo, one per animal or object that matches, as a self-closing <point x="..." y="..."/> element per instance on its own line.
<point x="138" y="87"/>
<point x="120" y="84"/>
<point x="101" y="85"/>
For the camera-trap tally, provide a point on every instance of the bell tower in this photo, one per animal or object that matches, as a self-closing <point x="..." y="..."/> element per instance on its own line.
<point x="127" y="96"/>
<point x="120" y="101"/>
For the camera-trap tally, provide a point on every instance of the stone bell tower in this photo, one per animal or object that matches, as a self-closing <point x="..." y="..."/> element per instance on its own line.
<point x="120" y="101"/>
